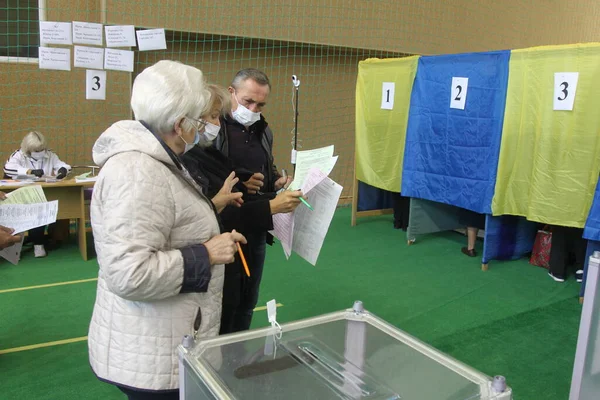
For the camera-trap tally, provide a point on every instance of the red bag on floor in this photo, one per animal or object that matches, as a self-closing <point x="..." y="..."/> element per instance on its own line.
<point x="540" y="255"/>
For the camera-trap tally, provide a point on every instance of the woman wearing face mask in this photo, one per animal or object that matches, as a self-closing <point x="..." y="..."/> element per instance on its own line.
<point x="159" y="244"/>
<point x="211" y="169"/>
<point x="34" y="159"/>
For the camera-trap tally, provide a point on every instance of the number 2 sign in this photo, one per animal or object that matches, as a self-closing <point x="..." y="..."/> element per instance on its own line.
<point x="458" y="93"/>
<point x="95" y="85"/>
<point x="565" y="88"/>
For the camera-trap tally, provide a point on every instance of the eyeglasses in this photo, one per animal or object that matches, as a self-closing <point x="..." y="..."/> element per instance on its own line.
<point x="201" y="123"/>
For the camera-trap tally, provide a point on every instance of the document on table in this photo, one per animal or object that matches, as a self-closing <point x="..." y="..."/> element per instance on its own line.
<point x="23" y="217"/>
<point x="25" y="195"/>
<point x="304" y="230"/>
<point x="321" y="159"/>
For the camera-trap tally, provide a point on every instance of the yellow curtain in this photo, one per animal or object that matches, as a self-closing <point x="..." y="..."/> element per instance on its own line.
<point x="380" y="133"/>
<point x="550" y="160"/>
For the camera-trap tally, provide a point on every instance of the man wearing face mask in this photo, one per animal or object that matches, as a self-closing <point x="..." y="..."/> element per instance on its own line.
<point x="34" y="158"/>
<point x="246" y="139"/>
<point x="212" y="170"/>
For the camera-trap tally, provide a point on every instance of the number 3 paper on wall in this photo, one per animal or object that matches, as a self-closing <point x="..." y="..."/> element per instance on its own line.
<point x="565" y="88"/>
<point x="95" y="85"/>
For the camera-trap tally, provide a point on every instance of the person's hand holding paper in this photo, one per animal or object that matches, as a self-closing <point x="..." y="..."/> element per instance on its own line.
<point x="285" y="202"/>
<point x="7" y="238"/>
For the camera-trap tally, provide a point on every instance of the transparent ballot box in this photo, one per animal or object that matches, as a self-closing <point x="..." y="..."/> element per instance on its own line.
<point x="350" y="354"/>
<point x="585" y="382"/>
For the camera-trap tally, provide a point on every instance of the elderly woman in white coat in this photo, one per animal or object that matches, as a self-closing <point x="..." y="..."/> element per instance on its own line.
<point x="159" y="245"/>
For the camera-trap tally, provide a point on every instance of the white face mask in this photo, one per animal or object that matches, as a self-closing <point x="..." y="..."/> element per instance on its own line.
<point x="38" y="155"/>
<point x="244" y="116"/>
<point x="211" y="131"/>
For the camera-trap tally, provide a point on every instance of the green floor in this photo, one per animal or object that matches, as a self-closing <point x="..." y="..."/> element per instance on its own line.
<point x="511" y="320"/>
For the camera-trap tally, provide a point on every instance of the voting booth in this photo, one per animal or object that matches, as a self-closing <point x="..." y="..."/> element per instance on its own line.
<point x="350" y="354"/>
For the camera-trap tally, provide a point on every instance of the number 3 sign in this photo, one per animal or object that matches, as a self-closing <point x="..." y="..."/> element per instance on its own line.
<point x="95" y="85"/>
<point x="565" y="88"/>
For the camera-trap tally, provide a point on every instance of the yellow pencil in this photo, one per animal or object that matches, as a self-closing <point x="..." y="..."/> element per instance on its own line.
<point x="243" y="258"/>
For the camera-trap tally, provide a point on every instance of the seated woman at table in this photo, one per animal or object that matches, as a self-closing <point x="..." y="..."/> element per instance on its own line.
<point x="34" y="158"/>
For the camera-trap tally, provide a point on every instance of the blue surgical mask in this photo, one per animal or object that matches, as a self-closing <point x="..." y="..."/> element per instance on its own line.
<point x="189" y="146"/>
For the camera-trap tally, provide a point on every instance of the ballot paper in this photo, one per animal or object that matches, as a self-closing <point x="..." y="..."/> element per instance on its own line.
<point x="23" y="217"/>
<point x="12" y="254"/>
<point x="25" y="195"/>
<point x="321" y="159"/>
<point x="24" y="209"/>
<point x="304" y="230"/>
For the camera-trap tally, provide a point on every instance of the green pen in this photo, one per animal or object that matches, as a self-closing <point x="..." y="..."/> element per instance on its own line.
<point x="284" y="174"/>
<point x="306" y="203"/>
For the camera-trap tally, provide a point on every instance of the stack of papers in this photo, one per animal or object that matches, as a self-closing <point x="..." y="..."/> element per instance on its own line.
<point x="304" y="230"/>
<point x="322" y="159"/>
<point x="24" y="209"/>
<point x="85" y="178"/>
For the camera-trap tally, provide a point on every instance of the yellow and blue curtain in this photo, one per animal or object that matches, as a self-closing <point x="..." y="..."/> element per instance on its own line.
<point x="550" y="160"/>
<point x="380" y="134"/>
<point x="451" y="155"/>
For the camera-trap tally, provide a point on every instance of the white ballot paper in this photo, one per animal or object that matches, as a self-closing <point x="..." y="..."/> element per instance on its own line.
<point x="23" y="217"/>
<point x="304" y="230"/>
<point x="12" y="254"/>
<point x="25" y="195"/>
<point x="321" y="159"/>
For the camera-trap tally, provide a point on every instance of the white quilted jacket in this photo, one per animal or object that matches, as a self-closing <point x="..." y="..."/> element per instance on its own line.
<point x="144" y="209"/>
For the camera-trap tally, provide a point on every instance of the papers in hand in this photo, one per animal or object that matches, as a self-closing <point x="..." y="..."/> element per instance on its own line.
<point x="23" y="217"/>
<point x="321" y="159"/>
<point x="25" y="195"/>
<point x="304" y="230"/>
<point x="12" y="254"/>
<point x="24" y="209"/>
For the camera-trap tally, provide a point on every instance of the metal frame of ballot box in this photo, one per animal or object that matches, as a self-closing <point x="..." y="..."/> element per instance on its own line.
<point x="585" y="383"/>
<point x="348" y="371"/>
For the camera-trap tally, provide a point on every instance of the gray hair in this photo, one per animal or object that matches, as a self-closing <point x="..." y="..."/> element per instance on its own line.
<point x="218" y="95"/>
<point x="166" y="92"/>
<point x="250" y="73"/>
<point x="33" y="141"/>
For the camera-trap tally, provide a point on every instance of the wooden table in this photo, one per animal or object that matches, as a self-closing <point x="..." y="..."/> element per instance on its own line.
<point x="69" y="194"/>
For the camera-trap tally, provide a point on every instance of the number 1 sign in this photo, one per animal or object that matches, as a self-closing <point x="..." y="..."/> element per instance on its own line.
<point x="387" y="95"/>
<point x="565" y="88"/>
<point x="458" y="93"/>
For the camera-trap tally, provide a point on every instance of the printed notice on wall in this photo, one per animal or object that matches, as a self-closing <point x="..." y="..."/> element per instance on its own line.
<point x="120" y="36"/>
<point x="88" y="57"/>
<point x="151" y="39"/>
<point x="118" y="60"/>
<point x="87" y="33"/>
<point x="52" y="58"/>
<point x="55" y="32"/>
